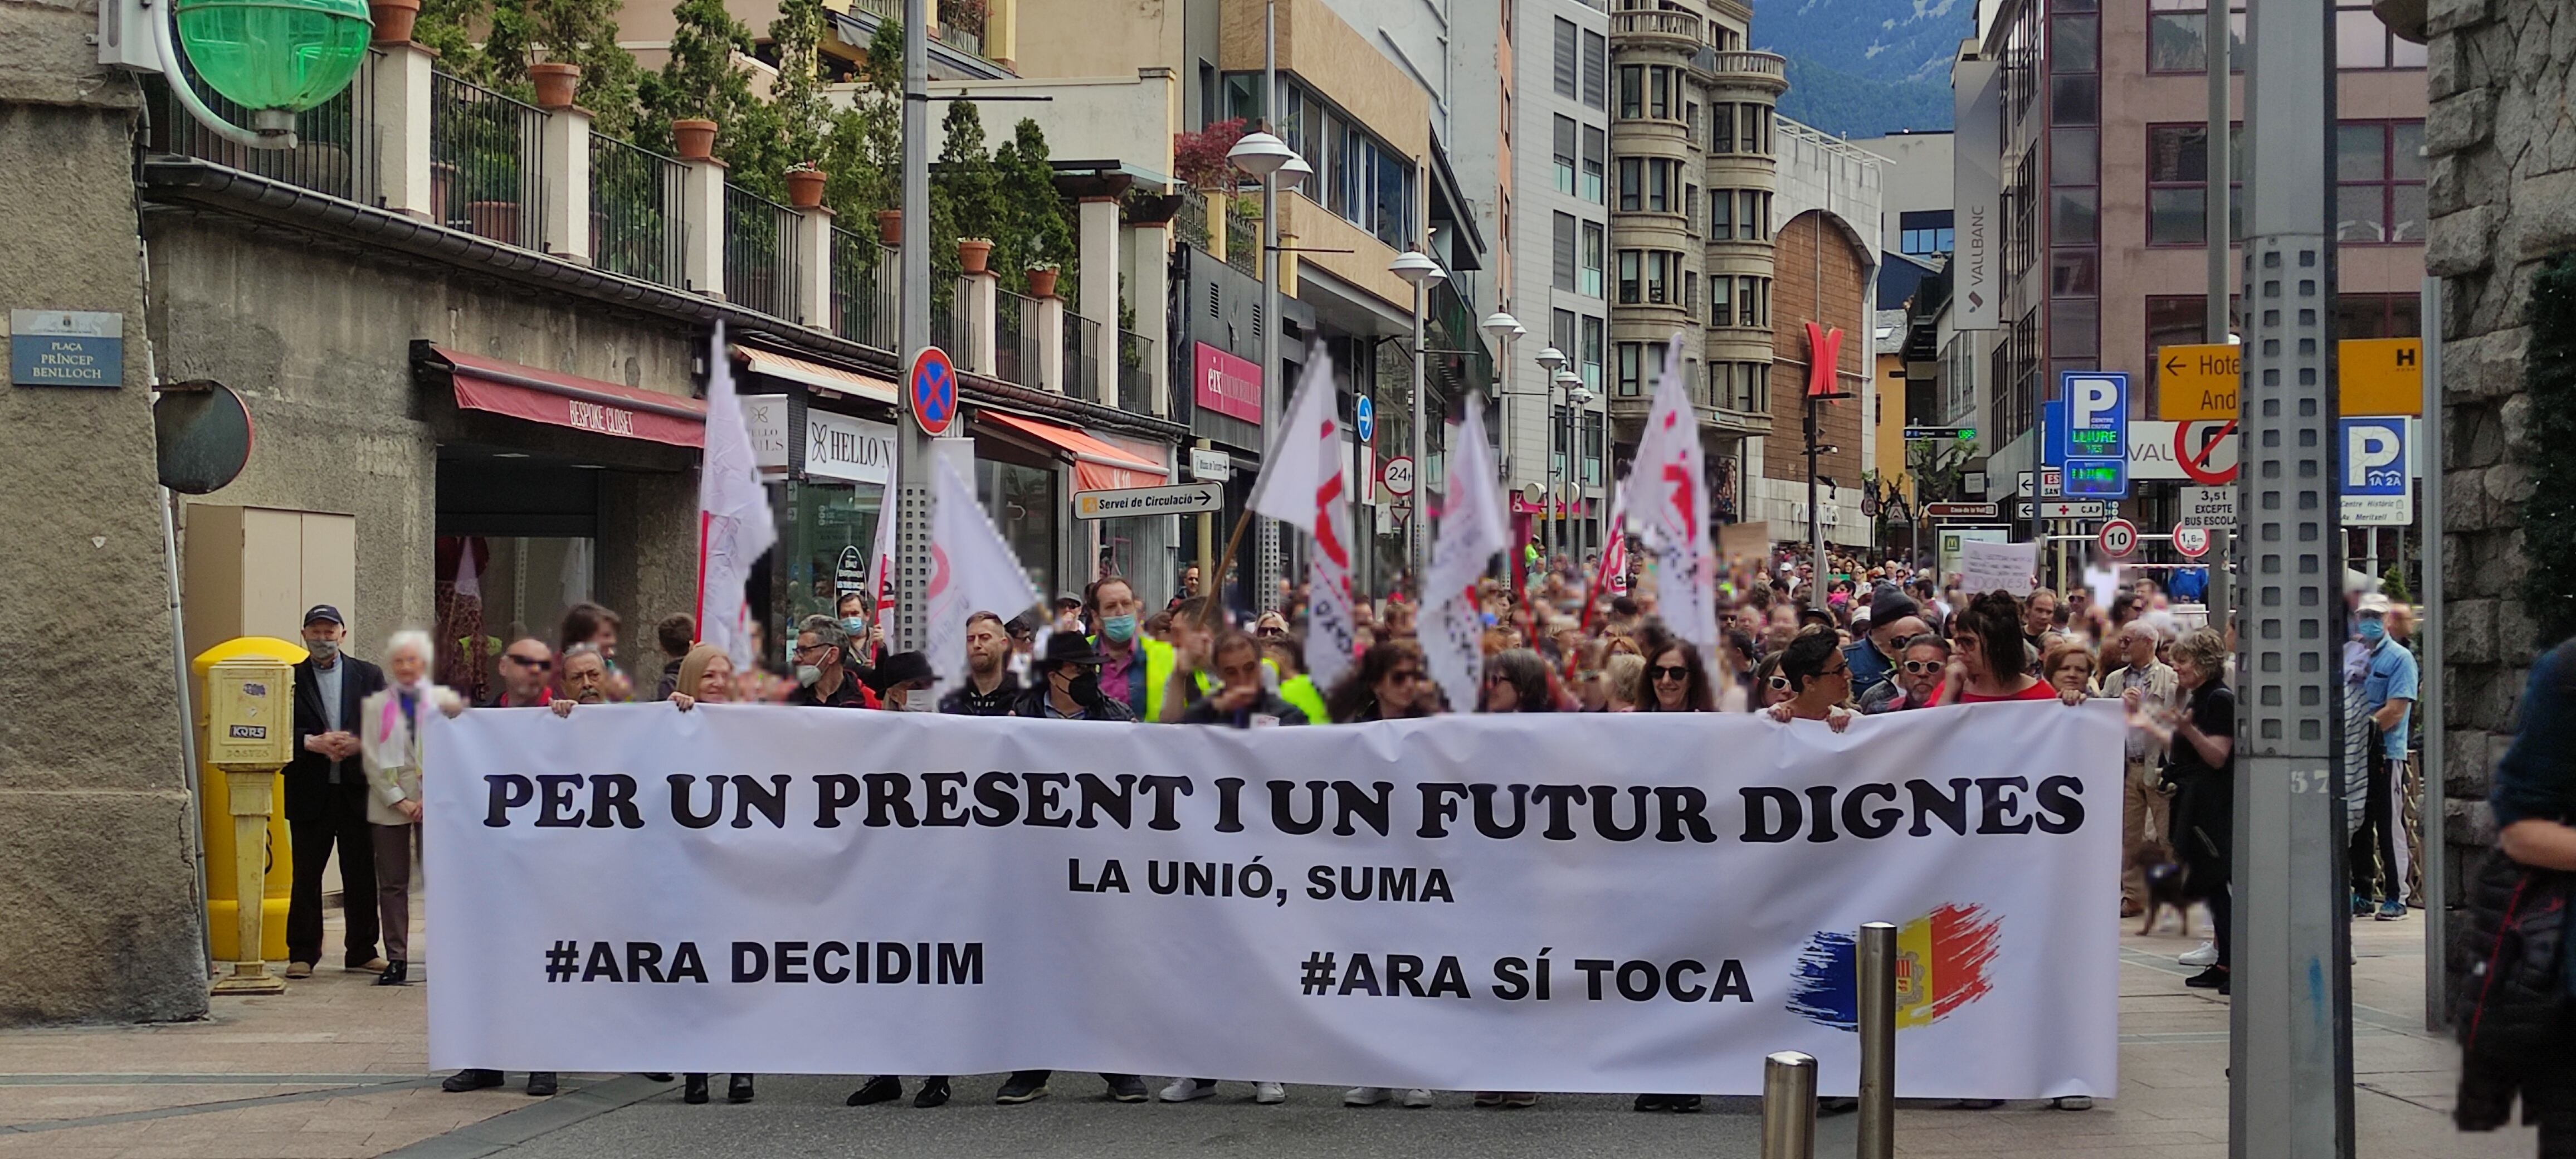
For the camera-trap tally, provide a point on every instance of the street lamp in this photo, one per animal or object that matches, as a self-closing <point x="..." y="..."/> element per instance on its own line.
<point x="1503" y="327"/>
<point x="1260" y="154"/>
<point x="1422" y="273"/>
<point x="1294" y="172"/>
<point x="275" y="57"/>
<point x="1560" y="537"/>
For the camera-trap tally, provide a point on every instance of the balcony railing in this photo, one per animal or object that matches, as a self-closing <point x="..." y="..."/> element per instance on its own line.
<point x="1675" y="25"/>
<point x="1243" y="243"/>
<point x="1135" y="373"/>
<point x="1765" y="64"/>
<point x="760" y="253"/>
<point x="1016" y="347"/>
<point x="1081" y="357"/>
<point x="336" y="141"/>
<point x="1191" y="223"/>
<point x="486" y="162"/>
<point x="867" y="305"/>
<point x="635" y="225"/>
<point x="955" y="27"/>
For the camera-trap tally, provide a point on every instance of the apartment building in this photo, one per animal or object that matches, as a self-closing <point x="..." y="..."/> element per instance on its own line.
<point x="2102" y="121"/>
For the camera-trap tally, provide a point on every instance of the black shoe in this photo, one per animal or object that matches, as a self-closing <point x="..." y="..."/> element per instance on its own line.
<point x="396" y="974"/>
<point x="1976" y="1104"/>
<point x="1653" y="1103"/>
<point x="1836" y="1106"/>
<point x="541" y="1083"/>
<point x="693" y="1089"/>
<point x="1682" y="1104"/>
<point x="659" y="1076"/>
<point x="884" y="1088"/>
<point x="1026" y="1086"/>
<point x="2213" y="978"/>
<point x="738" y="1089"/>
<point x="471" y="1079"/>
<point x="1125" y="1088"/>
<point x="934" y="1093"/>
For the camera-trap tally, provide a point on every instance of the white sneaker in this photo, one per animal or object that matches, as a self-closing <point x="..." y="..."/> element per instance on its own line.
<point x="1417" y="1098"/>
<point x="1183" y="1090"/>
<point x="2074" y="1102"/>
<point x="1363" y="1096"/>
<point x="1269" y="1094"/>
<point x="2206" y="955"/>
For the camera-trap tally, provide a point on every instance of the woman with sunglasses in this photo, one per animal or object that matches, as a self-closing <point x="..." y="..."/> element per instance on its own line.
<point x="1389" y="684"/>
<point x="1676" y="680"/>
<point x="1770" y="688"/>
<point x="1819" y="680"/>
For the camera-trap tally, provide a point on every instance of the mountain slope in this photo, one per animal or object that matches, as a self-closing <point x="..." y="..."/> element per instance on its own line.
<point x="1866" y="67"/>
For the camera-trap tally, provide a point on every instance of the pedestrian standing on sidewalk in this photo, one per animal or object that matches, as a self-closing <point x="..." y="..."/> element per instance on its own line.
<point x="390" y="750"/>
<point x="2388" y="695"/>
<point x="326" y="799"/>
<point x="2202" y="770"/>
<point x="2147" y="688"/>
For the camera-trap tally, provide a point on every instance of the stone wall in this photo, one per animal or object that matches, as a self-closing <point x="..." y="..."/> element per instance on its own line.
<point x="2502" y="194"/>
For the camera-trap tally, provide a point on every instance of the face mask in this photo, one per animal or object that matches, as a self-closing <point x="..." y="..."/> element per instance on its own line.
<point x="1084" y="689"/>
<point x="2372" y="632"/>
<point x="1119" y="629"/>
<point x="322" y="649"/>
<point x="856" y="626"/>
<point x="807" y="674"/>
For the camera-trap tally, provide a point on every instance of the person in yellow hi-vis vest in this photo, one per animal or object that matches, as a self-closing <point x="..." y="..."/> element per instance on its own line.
<point x="1134" y="666"/>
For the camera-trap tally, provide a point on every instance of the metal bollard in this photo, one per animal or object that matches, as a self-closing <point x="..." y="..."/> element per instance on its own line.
<point x="1877" y="1041"/>
<point x="1789" y="1106"/>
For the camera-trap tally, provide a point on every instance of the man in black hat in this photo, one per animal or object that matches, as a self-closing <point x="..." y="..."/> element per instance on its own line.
<point x="1067" y="684"/>
<point x="326" y="798"/>
<point x="897" y="677"/>
<point x="1893" y="620"/>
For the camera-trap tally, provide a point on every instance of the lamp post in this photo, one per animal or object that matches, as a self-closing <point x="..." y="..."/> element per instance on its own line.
<point x="1263" y="155"/>
<point x="1553" y="362"/>
<point x="1561" y="537"/>
<point x="1420" y="272"/>
<point x="276" y="58"/>
<point x="1503" y="328"/>
<point x="1577" y="397"/>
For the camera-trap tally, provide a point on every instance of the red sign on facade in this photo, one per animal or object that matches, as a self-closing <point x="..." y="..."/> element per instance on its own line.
<point x="1223" y="383"/>
<point x="1824" y="360"/>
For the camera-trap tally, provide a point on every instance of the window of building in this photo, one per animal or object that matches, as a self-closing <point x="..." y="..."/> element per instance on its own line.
<point x="1659" y="90"/>
<point x="2378" y="316"/>
<point x="1721" y="301"/>
<point x="1592" y="441"/>
<point x="2074" y="328"/>
<point x="1565" y="155"/>
<point x="1690" y="119"/>
<point x="1631" y="277"/>
<point x="2362" y="41"/>
<point x="1559" y="419"/>
<point x="1365" y="180"/>
<point x="2072" y="216"/>
<point x="1560" y="331"/>
<point x="2073" y="42"/>
<point x="1632" y="183"/>
<point x="1752" y="301"/>
<point x="1721" y="128"/>
<point x="2176" y="40"/>
<point x="1690" y="209"/>
<point x="1690" y="289"/>
<point x="1663" y="179"/>
<point x="2072" y="154"/>
<point x="1564" y="252"/>
<point x="1925" y="232"/>
<point x="1632" y="361"/>
<point x="1596" y="69"/>
<point x="1569" y="61"/>
<point x="1596" y="157"/>
<point x="1753" y="215"/>
<point x="1632" y="91"/>
<point x="2074" y="273"/>
<point x="1594" y="347"/>
<point x="1721" y="214"/>
<point x="2178" y="184"/>
<point x="1662" y="272"/>
<point x="1596" y="246"/>
<point x="2379" y="175"/>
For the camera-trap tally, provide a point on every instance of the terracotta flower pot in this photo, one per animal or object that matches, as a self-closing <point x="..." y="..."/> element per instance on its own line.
<point x="694" y="138"/>
<point x="393" y="19"/>
<point x="805" y="188"/>
<point x="555" y="82"/>
<point x="1042" y="282"/>
<point x="497" y="220"/>
<point x="890" y="226"/>
<point x="974" y="253"/>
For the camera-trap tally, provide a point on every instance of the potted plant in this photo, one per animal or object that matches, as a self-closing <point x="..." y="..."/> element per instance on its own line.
<point x="1042" y="279"/>
<point x="555" y="81"/>
<point x="973" y="253"/>
<point x="890" y="227"/>
<point x="699" y="85"/>
<point x="805" y="185"/>
<point x="394" y="20"/>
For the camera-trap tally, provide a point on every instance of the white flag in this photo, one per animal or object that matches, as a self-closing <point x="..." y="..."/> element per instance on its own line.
<point x="881" y="591"/>
<point x="1612" y="576"/>
<point x="734" y="524"/>
<point x="971" y="570"/>
<point x="1332" y="627"/>
<point x="1471" y="531"/>
<point x="1667" y="495"/>
<point x="1290" y="478"/>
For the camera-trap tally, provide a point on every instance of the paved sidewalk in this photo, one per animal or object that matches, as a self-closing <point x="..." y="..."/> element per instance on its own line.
<point x="337" y="1068"/>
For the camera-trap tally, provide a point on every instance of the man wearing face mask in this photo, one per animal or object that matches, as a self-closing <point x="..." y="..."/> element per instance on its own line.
<point x="1134" y="667"/>
<point x="823" y="677"/>
<point x="326" y="798"/>
<point x="2388" y="695"/>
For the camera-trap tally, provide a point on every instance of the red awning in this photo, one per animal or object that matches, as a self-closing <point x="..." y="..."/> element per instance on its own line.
<point x="583" y="404"/>
<point x="1097" y="466"/>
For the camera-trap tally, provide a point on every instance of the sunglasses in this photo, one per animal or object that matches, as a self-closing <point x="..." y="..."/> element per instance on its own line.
<point x="524" y="662"/>
<point x="1673" y="672"/>
<point x="1404" y="675"/>
<point x="1919" y="667"/>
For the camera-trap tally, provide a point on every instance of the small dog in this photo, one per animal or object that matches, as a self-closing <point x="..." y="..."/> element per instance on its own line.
<point x="2164" y="878"/>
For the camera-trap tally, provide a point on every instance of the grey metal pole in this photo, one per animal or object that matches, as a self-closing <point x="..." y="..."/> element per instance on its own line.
<point x="1421" y="475"/>
<point x="2220" y="162"/>
<point x="1815" y="513"/>
<point x="2290" y="1041"/>
<point x="912" y="453"/>
<point x="1877" y="1041"/>
<point x="2434" y="866"/>
<point x="1273" y="550"/>
<point x="1788" y="1106"/>
<point x="1547" y="524"/>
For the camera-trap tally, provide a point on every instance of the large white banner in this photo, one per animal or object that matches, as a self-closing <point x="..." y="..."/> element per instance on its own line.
<point x="1519" y="902"/>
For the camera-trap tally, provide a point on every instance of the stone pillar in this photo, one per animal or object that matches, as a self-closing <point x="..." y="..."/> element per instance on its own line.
<point x="1099" y="243"/>
<point x="1051" y="344"/>
<point x="813" y="248"/>
<point x="702" y="196"/>
<point x="399" y="82"/>
<point x="979" y="295"/>
<point x="564" y="198"/>
<point x="1148" y="284"/>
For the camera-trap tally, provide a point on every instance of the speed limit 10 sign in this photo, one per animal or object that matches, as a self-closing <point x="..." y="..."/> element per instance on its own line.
<point x="2119" y="537"/>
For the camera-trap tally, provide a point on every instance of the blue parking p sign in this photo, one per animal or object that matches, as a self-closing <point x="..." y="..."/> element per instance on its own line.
<point x="2097" y="433"/>
<point x="2378" y="484"/>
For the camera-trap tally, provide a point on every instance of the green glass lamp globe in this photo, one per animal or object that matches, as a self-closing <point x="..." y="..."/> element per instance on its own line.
<point x="275" y="54"/>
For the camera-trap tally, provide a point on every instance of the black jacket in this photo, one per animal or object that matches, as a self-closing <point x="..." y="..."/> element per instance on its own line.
<point x="965" y="701"/>
<point x="1033" y="703"/>
<point x="308" y="775"/>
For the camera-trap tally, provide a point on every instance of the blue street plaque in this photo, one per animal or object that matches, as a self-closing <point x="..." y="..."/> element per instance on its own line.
<point x="67" y="348"/>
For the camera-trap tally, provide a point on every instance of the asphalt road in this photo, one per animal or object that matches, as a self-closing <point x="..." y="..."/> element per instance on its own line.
<point x="803" y="1116"/>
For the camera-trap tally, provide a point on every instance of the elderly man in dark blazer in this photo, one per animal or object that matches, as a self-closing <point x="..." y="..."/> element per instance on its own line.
<point x="326" y="798"/>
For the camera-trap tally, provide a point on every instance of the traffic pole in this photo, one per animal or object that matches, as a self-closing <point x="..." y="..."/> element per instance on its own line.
<point x="2434" y="864"/>
<point x="2290" y="1041"/>
<point x="1877" y="983"/>
<point x="912" y="449"/>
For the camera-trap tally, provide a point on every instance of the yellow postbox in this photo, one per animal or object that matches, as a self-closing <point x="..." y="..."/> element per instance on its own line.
<point x="246" y="735"/>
